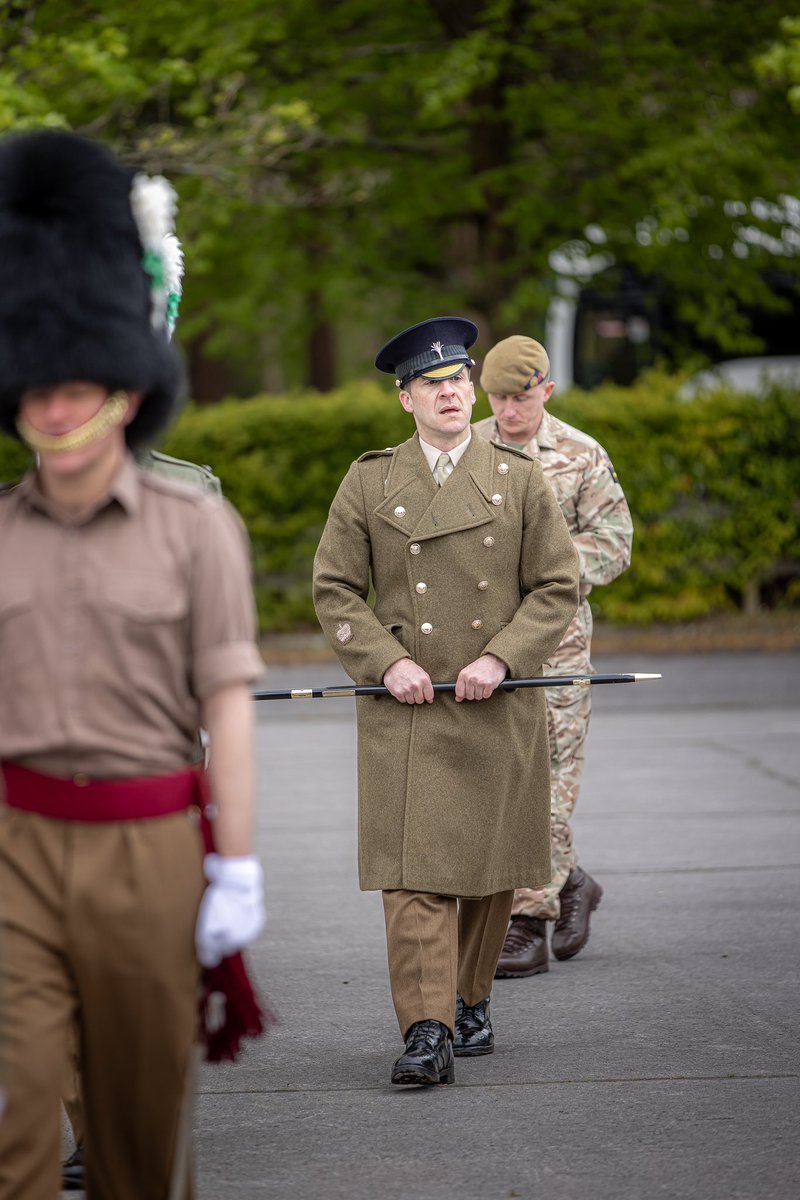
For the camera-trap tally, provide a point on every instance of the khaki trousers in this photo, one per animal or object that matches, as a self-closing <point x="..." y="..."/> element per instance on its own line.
<point x="98" y="931"/>
<point x="438" y="945"/>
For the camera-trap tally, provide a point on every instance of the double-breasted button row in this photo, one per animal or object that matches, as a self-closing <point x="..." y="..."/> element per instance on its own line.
<point x="421" y="588"/>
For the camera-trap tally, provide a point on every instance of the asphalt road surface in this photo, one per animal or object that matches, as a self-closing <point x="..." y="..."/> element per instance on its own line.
<point x="662" y="1061"/>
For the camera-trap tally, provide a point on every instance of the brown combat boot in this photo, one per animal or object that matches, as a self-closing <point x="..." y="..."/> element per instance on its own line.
<point x="524" y="950"/>
<point x="579" y="897"/>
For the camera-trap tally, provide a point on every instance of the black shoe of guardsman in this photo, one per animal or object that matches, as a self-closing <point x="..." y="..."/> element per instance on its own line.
<point x="473" y="1029"/>
<point x="428" y="1056"/>
<point x="73" y="1172"/>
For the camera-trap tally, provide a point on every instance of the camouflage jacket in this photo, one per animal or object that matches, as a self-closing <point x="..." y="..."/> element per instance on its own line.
<point x="589" y="495"/>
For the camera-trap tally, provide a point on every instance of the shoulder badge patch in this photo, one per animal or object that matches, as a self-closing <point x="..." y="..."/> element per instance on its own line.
<point x="610" y="466"/>
<point x="344" y="633"/>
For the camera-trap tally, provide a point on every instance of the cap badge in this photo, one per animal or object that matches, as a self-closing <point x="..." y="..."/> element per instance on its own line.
<point x="437" y="346"/>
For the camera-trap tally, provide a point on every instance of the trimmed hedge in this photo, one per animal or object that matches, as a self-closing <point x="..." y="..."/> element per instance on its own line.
<point x="713" y="483"/>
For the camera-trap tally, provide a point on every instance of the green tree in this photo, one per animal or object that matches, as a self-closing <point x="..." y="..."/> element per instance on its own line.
<point x="345" y="169"/>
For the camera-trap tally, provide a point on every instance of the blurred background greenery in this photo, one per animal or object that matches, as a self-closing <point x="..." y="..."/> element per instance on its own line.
<point x="617" y="179"/>
<point x="713" y="484"/>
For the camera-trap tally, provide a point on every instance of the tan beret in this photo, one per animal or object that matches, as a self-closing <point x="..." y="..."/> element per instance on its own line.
<point x="514" y="365"/>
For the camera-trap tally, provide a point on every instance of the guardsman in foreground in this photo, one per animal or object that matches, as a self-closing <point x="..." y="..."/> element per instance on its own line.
<point x="73" y="1170"/>
<point x="126" y="623"/>
<point x="516" y="375"/>
<point x="475" y="578"/>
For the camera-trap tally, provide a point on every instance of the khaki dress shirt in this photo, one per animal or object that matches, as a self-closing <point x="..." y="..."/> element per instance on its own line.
<point x="116" y="625"/>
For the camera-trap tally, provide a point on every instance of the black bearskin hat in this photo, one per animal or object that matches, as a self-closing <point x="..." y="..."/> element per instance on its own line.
<point x="75" y="299"/>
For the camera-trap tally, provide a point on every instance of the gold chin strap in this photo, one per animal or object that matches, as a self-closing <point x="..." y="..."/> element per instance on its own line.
<point x="107" y="418"/>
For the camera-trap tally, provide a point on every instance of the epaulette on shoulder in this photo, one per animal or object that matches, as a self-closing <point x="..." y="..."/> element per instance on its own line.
<point x="512" y="450"/>
<point x="169" y="483"/>
<point x="385" y="453"/>
<point x="194" y="474"/>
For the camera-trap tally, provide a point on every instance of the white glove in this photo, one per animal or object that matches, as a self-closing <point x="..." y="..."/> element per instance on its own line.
<point x="232" y="912"/>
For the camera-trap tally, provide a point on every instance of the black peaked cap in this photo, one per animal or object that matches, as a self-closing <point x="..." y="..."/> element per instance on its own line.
<point x="428" y="348"/>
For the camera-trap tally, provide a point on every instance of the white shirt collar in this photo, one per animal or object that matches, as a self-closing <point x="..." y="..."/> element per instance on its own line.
<point x="432" y="453"/>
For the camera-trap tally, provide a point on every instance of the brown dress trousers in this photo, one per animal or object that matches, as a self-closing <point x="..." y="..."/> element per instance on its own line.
<point x="438" y="945"/>
<point x="98" y="932"/>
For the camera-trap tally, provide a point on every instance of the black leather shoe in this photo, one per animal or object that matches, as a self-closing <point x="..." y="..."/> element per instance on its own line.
<point x="473" y="1029"/>
<point x="428" y="1056"/>
<point x="579" y="897"/>
<point x="73" y="1172"/>
<point x="524" y="950"/>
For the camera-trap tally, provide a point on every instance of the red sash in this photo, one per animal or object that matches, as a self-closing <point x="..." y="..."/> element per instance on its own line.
<point x="83" y="799"/>
<point x="229" y="1008"/>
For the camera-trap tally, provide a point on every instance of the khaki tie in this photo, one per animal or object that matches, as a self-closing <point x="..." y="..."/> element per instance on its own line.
<point x="440" y="474"/>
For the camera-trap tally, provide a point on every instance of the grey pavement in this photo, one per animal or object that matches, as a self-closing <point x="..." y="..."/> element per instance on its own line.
<point x="662" y="1061"/>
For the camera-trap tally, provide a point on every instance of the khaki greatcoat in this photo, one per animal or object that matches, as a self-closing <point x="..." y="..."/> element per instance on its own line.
<point x="453" y="798"/>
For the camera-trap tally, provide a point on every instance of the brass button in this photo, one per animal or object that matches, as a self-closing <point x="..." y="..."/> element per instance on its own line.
<point x="426" y="628"/>
<point x="488" y="541"/>
<point x="483" y="585"/>
<point x="415" y="548"/>
<point x="477" y="624"/>
<point x="502" y="468"/>
<point x="399" y="511"/>
<point x="422" y="588"/>
<point x="497" y="498"/>
<point x="80" y="780"/>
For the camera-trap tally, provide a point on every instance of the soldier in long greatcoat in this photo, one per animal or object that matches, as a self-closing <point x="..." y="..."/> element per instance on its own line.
<point x="475" y="579"/>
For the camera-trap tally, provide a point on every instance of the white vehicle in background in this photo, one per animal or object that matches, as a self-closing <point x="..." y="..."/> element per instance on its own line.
<point x="605" y="324"/>
<point x="749" y="375"/>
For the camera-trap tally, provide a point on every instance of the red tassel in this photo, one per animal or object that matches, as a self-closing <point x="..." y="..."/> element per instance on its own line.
<point x="229" y="1009"/>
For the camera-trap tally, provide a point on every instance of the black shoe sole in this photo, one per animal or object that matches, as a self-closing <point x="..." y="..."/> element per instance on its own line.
<point x="571" y="953"/>
<point x="472" y="1051"/>
<point x="409" y="1077"/>
<point x="540" y="970"/>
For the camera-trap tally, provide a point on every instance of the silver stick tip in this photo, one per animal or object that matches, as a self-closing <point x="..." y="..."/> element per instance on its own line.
<point x="639" y="678"/>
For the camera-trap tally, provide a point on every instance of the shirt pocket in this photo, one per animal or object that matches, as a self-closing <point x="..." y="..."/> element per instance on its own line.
<point x="145" y="599"/>
<point x="145" y="619"/>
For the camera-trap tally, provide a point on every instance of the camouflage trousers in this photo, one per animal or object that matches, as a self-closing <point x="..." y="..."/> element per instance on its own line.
<point x="568" y="712"/>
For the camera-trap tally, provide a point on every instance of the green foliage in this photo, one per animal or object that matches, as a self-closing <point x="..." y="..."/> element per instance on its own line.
<point x="781" y="61"/>
<point x="713" y="484"/>
<point x="714" y="487"/>
<point x="352" y="164"/>
<point x="14" y="459"/>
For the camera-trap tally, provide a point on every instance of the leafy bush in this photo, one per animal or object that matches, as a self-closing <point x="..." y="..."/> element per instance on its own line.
<point x="713" y="483"/>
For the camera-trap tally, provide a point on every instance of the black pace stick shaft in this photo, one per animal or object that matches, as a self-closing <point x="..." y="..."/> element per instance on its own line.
<point x="507" y="685"/>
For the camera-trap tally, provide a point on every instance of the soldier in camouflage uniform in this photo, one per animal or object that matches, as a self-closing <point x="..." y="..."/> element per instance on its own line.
<point x="516" y="376"/>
